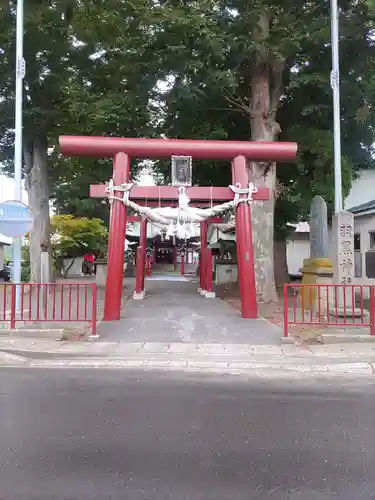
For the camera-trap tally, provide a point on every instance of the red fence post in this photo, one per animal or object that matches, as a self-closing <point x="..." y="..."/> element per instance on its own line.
<point x="182" y="265"/>
<point x="204" y="269"/>
<point x="13" y="307"/>
<point x="143" y="245"/>
<point x="372" y="310"/>
<point x="174" y="259"/>
<point x="139" y="276"/>
<point x="94" y="301"/>
<point x="202" y="255"/>
<point x="286" y="310"/>
<point x="208" y="276"/>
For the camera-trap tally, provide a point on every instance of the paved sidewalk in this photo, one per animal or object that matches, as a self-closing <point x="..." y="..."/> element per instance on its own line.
<point x="174" y="328"/>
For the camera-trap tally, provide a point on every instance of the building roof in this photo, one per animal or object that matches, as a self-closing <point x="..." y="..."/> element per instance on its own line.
<point x="226" y="227"/>
<point x="301" y="227"/>
<point x="4" y="240"/>
<point x="365" y="207"/>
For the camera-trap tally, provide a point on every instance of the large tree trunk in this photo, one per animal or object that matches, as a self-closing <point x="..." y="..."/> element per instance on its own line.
<point x="36" y="184"/>
<point x="263" y="230"/>
<point x="264" y="127"/>
<point x="68" y="267"/>
<point x="281" y="264"/>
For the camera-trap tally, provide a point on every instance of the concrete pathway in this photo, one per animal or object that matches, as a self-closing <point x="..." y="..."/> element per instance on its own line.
<point x="173" y="311"/>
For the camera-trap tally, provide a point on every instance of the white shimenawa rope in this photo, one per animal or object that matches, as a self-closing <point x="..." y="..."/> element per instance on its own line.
<point x="184" y="214"/>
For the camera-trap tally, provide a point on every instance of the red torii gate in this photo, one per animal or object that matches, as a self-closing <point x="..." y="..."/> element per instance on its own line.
<point x="123" y="149"/>
<point x="141" y="254"/>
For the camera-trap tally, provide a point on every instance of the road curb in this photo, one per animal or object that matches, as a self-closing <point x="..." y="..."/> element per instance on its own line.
<point x="248" y="352"/>
<point x="358" y="368"/>
<point x="346" y="338"/>
<point x="12" y="360"/>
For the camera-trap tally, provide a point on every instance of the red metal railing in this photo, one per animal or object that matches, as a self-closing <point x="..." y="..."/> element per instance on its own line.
<point x="49" y="303"/>
<point x="329" y="305"/>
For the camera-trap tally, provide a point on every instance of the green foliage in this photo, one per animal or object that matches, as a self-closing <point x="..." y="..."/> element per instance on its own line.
<point x="109" y="96"/>
<point x="73" y="237"/>
<point x="50" y="57"/>
<point x="25" y="264"/>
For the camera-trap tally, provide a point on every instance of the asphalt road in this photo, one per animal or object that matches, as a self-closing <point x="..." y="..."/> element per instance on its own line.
<point x="98" y="434"/>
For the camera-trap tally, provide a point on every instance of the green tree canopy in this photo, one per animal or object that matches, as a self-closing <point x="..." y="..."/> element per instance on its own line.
<point x="209" y="95"/>
<point x="72" y="237"/>
<point x="85" y="73"/>
<point x="260" y="70"/>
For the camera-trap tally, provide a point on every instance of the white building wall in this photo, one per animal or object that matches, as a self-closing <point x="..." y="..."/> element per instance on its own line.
<point x="363" y="189"/>
<point x="76" y="268"/>
<point x="297" y="250"/>
<point x="364" y="225"/>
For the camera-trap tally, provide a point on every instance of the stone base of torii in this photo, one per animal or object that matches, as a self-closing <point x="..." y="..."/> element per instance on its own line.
<point x="122" y="150"/>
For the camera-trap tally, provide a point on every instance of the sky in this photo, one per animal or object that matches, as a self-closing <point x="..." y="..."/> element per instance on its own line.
<point x="7" y="189"/>
<point x="7" y="186"/>
<point x="146" y="179"/>
<point x="7" y="192"/>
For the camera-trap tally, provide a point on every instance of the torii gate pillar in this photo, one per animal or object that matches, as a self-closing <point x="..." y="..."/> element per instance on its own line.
<point x="244" y="241"/>
<point x="116" y="242"/>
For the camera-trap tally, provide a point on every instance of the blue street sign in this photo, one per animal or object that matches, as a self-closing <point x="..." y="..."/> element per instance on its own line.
<point x="15" y="219"/>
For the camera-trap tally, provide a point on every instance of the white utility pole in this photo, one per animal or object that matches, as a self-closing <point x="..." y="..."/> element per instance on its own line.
<point x="20" y="73"/>
<point x="335" y="84"/>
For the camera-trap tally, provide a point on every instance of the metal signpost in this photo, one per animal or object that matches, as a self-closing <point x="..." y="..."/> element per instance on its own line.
<point x="335" y="85"/>
<point x="20" y="74"/>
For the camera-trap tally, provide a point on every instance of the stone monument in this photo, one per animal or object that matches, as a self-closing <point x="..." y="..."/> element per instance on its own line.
<point x="319" y="246"/>
<point x="318" y="268"/>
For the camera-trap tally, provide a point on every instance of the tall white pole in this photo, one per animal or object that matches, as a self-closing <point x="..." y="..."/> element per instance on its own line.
<point x="335" y="84"/>
<point x="20" y="73"/>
